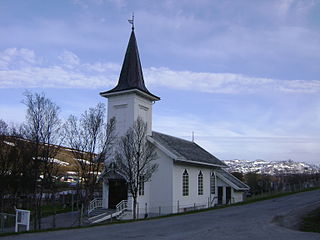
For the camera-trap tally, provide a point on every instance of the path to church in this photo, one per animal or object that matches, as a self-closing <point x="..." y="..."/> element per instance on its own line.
<point x="252" y="221"/>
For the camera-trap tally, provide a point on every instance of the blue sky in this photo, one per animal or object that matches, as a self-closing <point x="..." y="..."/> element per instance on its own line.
<point x="243" y="75"/>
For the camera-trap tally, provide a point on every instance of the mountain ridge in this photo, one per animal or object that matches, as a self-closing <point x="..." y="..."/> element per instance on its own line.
<point x="271" y="167"/>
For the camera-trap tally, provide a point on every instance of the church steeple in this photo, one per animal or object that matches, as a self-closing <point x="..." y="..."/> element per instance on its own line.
<point x="130" y="99"/>
<point x="131" y="76"/>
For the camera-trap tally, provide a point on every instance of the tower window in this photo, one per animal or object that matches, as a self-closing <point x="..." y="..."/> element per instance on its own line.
<point x="185" y="183"/>
<point x="200" y="183"/>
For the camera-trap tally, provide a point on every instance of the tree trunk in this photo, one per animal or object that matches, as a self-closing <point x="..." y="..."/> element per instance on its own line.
<point x="135" y="208"/>
<point x="1" y="202"/>
<point x="35" y="219"/>
<point x="39" y="214"/>
<point x="54" y="211"/>
<point x="39" y="207"/>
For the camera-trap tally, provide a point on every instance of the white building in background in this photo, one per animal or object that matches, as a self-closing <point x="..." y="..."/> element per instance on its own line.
<point x="187" y="176"/>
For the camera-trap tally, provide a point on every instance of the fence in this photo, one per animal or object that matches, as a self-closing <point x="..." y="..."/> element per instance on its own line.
<point x="62" y="211"/>
<point x="149" y="212"/>
<point x="77" y="217"/>
<point x="146" y="211"/>
<point x="7" y="222"/>
<point x="286" y="188"/>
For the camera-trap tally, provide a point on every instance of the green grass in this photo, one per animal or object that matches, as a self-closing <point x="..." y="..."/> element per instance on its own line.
<point x="311" y="222"/>
<point x="247" y="201"/>
<point x="48" y="210"/>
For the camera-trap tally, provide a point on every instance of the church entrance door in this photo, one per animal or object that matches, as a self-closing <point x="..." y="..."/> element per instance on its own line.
<point x="118" y="191"/>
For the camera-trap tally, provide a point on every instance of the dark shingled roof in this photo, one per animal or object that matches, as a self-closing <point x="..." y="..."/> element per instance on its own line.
<point x="186" y="150"/>
<point x="228" y="176"/>
<point x="131" y="76"/>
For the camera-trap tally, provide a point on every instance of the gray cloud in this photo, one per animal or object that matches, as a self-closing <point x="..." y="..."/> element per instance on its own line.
<point x="19" y="67"/>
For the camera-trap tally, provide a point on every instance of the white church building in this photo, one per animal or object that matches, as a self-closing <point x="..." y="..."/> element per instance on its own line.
<point x="187" y="177"/>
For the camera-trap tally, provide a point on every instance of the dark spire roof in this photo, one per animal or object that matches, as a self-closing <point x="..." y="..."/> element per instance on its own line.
<point x="131" y="76"/>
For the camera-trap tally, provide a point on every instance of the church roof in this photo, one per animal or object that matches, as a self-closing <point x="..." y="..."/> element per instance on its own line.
<point x="187" y="151"/>
<point x="111" y="172"/>
<point x="131" y="76"/>
<point x="232" y="180"/>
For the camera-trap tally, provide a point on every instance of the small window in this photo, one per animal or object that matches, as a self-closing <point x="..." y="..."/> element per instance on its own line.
<point x="200" y="183"/>
<point x="141" y="186"/>
<point x="213" y="183"/>
<point x="185" y="183"/>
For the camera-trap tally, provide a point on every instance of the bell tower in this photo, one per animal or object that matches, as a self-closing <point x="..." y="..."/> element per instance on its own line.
<point x="130" y="99"/>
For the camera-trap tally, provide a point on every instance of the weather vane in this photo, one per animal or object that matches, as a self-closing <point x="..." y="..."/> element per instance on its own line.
<point x="131" y="21"/>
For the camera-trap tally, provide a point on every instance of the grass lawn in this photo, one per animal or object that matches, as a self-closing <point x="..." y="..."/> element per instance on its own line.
<point x="311" y="222"/>
<point x="48" y="210"/>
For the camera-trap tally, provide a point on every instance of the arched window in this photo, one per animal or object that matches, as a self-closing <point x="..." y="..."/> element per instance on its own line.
<point x="200" y="183"/>
<point x="185" y="183"/>
<point x="213" y="183"/>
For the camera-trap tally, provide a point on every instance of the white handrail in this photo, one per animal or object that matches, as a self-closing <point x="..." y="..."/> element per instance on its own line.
<point x="95" y="203"/>
<point x="212" y="203"/>
<point x="121" y="206"/>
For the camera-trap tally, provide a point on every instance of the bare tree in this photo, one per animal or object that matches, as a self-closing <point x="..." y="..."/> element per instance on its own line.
<point x="4" y="161"/>
<point x="42" y="128"/>
<point x="3" y="127"/>
<point x="15" y="166"/>
<point x="88" y="136"/>
<point x="135" y="158"/>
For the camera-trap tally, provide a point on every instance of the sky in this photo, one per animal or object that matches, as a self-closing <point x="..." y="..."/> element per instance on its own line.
<point x="244" y="76"/>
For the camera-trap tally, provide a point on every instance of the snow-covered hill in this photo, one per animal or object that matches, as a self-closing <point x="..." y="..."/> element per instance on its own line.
<point x="272" y="168"/>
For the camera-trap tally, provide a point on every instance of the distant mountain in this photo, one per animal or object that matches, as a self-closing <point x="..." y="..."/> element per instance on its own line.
<point x="272" y="168"/>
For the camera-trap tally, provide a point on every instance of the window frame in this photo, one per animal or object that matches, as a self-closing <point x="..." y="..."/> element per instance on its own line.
<point x="185" y="183"/>
<point x="200" y="183"/>
<point x="212" y="183"/>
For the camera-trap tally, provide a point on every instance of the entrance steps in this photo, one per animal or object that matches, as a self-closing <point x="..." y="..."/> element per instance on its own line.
<point x="99" y="211"/>
<point x="100" y="215"/>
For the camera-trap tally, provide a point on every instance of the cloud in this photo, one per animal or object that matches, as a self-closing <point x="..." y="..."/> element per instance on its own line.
<point x="268" y="37"/>
<point x="227" y="129"/>
<point x="226" y="82"/>
<point x="283" y="6"/>
<point x="51" y="77"/>
<point x="69" y="59"/>
<point x="20" y="68"/>
<point x="293" y="8"/>
<point x="16" y="58"/>
<point x="223" y="139"/>
<point x="100" y="67"/>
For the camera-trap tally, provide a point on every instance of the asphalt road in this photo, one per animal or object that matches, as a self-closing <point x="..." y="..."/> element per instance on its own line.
<point x="251" y="221"/>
